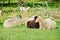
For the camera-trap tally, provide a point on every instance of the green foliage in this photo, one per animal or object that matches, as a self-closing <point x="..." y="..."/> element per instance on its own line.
<point x="3" y="0"/>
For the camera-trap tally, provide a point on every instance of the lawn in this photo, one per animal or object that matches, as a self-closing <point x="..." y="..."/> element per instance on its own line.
<point x="21" y="32"/>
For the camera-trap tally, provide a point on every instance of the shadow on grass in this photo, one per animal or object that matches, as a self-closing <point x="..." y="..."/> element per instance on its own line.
<point x="25" y="4"/>
<point x="1" y="24"/>
<point x="10" y="5"/>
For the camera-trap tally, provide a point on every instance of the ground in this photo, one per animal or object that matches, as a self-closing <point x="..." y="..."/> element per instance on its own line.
<point x="22" y="33"/>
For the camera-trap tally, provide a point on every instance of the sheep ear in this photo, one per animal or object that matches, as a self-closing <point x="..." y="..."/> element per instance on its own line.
<point x="20" y="16"/>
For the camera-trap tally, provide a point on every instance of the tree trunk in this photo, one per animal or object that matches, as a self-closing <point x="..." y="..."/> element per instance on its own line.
<point x="55" y="0"/>
<point x="1" y="5"/>
<point x="8" y="1"/>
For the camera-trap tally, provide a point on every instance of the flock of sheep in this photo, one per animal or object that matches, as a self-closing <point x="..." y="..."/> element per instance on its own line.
<point x="32" y="22"/>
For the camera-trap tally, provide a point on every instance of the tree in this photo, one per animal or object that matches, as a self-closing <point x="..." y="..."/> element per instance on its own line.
<point x="8" y="1"/>
<point x="1" y="4"/>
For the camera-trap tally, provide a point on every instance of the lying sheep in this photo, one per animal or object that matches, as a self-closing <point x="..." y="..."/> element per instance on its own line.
<point x="27" y="19"/>
<point x="49" y="24"/>
<point x="32" y="23"/>
<point x="46" y="24"/>
<point x="12" y="22"/>
<point x="40" y="20"/>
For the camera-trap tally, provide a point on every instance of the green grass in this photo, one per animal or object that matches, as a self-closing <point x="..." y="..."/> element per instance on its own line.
<point x="21" y="32"/>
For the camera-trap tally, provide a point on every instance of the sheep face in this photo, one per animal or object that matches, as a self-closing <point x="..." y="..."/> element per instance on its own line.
<point x="19" y="17"/>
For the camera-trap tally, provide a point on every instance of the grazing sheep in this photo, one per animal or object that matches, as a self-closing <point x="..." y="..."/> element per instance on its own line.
<point x="12" y="22"/>
<point x="24" y="9"/>
<point x="49" y="24"/>
<point x="0" y="12"/>
<point x="40" y="20"/>
<point x="32" y="23"/>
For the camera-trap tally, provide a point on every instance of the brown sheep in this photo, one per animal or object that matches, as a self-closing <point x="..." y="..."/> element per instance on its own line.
<point x="32" y="23"/>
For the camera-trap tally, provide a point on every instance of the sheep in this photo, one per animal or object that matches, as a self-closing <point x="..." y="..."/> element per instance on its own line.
<point x="49" y="24"/>
<point x="0" y="12"/>
<point x="24" y="9"/>
<point x="46" y="23"/>
<point x="12" y="22"/>
<point x="25" y="20"/>
<point x="41" y="21"/>
<point x="32" y="23"/>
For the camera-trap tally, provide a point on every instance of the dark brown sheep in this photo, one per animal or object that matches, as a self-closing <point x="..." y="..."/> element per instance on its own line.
<point x="32" y="23"/>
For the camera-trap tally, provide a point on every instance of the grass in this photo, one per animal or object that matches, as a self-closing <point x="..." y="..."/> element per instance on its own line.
<point x="21" y="32"/>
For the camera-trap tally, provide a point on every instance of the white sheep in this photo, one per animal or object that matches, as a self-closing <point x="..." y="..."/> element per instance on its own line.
<point x="25" y="20"/>
<point x="12" y="22"/>
<point x="24" y="9"/>
<point x="49" y="24"/>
